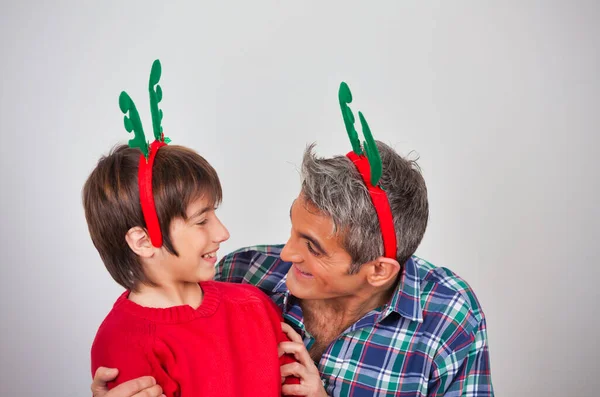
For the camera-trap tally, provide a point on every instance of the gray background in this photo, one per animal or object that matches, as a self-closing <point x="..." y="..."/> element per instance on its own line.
<point x="501" y="102"/>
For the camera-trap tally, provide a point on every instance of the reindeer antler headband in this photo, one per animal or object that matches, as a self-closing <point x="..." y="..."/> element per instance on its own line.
<point x="370" y="168"/>
<point x="133" y="123"/>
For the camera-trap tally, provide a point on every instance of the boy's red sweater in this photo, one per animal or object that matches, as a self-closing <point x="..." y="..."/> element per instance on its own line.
<point x="225" y="347"/>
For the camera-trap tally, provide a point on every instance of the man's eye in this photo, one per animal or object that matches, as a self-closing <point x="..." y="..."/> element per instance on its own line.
<point x="311" y="249"/>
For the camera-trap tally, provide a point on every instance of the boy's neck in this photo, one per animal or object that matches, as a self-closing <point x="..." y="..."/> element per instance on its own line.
<point x="168" y="295"/>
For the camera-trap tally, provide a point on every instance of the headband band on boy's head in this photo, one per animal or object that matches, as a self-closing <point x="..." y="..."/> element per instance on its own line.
<point x="133" y="123"/>
<point x="369" y="166"/>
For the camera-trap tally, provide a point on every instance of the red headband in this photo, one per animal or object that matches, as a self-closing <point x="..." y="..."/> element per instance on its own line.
<point x="146" y="195"/>
<point x="381" y="204"/>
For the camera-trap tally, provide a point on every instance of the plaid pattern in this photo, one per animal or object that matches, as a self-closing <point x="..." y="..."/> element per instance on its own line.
<point x="429" y="340"/>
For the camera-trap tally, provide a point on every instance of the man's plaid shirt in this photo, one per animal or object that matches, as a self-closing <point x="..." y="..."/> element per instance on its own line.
<point x="428" y="340"/>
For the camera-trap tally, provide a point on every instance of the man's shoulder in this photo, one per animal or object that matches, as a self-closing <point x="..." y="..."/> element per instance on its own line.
<point x="258" y="265"/>
<point x="442" y="290"/>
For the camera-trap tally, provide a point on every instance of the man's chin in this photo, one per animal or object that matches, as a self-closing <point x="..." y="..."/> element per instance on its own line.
<point x="297" y="290"/>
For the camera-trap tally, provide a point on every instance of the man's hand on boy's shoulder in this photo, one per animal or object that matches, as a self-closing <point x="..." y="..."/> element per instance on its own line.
<point x="304" y="368"/>
<point x="141" y="387"/>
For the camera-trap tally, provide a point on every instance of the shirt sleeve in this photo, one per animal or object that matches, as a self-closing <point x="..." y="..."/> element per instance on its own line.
<point x="465" y="372"/>
<point x="260" y="266"/>
<point x="134" y="359"/>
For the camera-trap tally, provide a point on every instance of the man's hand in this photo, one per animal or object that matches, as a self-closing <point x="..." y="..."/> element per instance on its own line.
<point x="310" y="379"/>
<point x="141" y="387"/>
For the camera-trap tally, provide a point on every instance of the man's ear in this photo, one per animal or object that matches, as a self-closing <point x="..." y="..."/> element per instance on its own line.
<point x="138" y="240"/>
<point x="382" y="271"/>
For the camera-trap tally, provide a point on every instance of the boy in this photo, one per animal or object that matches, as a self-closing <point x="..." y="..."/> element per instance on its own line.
<point x="150" y="211"/>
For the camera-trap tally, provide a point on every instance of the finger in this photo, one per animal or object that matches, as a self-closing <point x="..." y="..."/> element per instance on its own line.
<point x="294" y="390"/>
<point x="289" y="331"/>
<point x="154" y="391"/>
<point x="298" y="350"/>
<point x="294" y="369"/>
<point x="101" y="377"/>
<point x="137" y="387"/>
<point x="104" y="374"/>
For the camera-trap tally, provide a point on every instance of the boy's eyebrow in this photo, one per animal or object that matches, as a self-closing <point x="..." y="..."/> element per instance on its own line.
<point x="200" y="212"/>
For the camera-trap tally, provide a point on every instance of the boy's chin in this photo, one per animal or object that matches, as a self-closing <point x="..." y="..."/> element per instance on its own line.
<point x="205" y="275"/>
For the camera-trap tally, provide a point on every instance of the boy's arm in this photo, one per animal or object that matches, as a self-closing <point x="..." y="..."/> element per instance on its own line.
<point x="133" y="362"/>
<point x="145" y="386"/>
<point x="276" y="318"/>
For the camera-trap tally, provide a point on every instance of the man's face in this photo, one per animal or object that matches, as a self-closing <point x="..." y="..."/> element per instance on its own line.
<point x="320" y="264"/>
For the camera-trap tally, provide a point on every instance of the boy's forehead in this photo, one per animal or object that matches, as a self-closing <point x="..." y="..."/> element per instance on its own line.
<point x="200" y="205"/>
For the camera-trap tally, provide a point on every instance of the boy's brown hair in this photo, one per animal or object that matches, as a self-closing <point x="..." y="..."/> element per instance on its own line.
<point x="112" y="203"/>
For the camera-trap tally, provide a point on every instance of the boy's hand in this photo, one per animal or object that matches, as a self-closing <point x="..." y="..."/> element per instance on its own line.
<point x="311" y="384"/>
<point x="141" y="387"/>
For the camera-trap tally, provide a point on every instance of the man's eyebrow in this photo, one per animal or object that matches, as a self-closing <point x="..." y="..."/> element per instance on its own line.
<point x="314" y="242"/>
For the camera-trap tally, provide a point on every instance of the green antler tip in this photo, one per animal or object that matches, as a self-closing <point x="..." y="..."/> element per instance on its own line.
<point x="155" y="72"/>
<point x="344" y="93"/>
<point x="156" y="95"/>
<point x="124" y="102"/>
<point x="345" y="97"/>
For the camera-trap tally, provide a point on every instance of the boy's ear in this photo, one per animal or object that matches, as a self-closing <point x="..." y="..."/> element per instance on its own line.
<point x="138" y="240"/>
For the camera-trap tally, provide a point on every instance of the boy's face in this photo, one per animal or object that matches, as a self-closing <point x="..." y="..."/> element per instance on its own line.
<point x="196" y="240"/>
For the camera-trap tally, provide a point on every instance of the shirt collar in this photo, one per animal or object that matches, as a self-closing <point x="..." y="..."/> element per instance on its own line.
<point x="406" y="299"/>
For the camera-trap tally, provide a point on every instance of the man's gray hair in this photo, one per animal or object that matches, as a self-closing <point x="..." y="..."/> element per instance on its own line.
<point x="334" y="186"/>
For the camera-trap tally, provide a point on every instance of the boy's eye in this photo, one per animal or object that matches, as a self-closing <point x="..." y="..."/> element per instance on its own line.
<point x="202" y="222"/>
<point x="311" y="249"/>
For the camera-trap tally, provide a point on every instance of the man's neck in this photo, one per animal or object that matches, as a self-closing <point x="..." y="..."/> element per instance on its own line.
<point x="340" y="313"/>
<point x="168" y="295"/>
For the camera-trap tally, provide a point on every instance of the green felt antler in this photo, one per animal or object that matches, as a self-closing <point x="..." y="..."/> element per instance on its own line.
<point x="155" y="98"/>
<point x="345" y="97"/>
<point x="372" y="153"/>
<point x="132" y="120"/>
<point x="133" y="123"/>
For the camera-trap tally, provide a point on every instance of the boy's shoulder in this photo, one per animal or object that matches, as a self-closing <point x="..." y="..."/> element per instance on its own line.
<point x="239" y="293"/>
<point x="121" y="327"/>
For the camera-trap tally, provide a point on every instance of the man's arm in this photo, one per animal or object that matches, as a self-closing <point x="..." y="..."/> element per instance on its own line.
<point x="141" y="387"/>
<point x="465" y="372"/>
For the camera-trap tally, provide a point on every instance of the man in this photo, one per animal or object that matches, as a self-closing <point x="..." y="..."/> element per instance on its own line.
<point x="364" y="322"/>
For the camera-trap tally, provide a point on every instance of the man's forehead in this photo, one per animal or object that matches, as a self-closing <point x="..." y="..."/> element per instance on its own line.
<point x="311" y="220"/>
